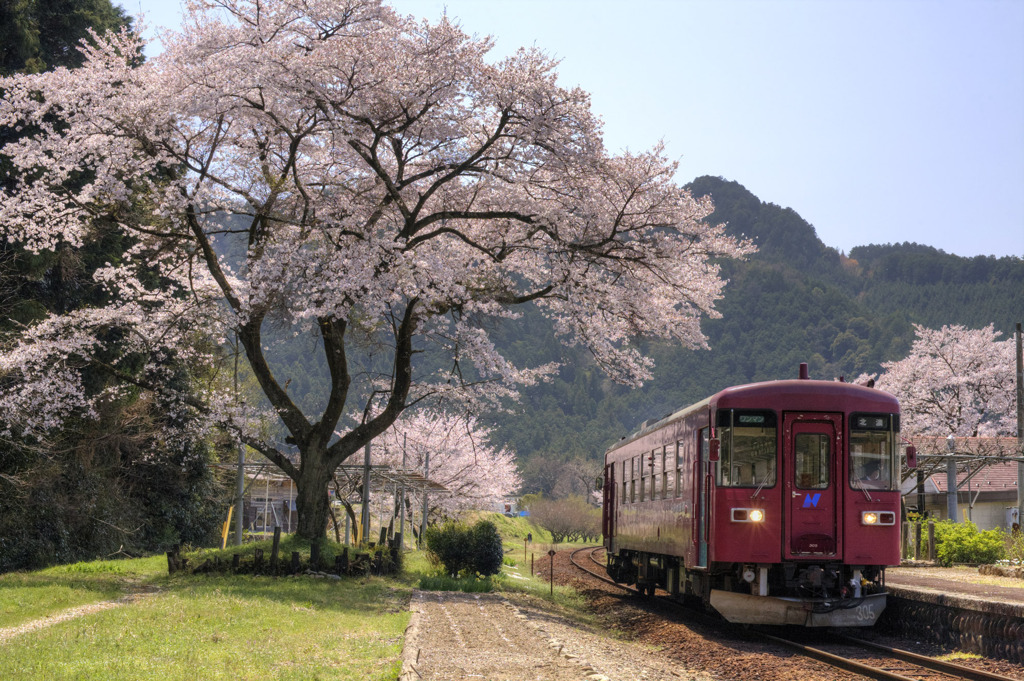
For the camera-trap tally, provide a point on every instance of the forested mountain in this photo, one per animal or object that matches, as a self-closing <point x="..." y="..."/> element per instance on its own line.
<point x="796" y="300"/>
<point x="933" y="286"/>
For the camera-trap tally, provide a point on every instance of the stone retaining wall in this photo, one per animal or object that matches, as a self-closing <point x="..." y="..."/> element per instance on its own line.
<point x="991" y="629"/>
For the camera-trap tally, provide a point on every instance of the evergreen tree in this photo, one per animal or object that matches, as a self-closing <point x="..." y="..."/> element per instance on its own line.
<point x="98" y="486"/>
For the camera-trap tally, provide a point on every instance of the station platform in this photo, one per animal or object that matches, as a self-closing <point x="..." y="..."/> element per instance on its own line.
<point x="958" y="607"/>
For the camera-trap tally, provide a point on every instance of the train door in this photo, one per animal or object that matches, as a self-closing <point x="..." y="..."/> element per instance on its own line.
<point x="608" y="509"/>
<point x="702" y="486"/>
<point x="813" y="443"/>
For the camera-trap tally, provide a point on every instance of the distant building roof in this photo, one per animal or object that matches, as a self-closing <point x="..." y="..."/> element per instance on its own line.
<point x="975" y="446"/>
<point x="995" y="477"/>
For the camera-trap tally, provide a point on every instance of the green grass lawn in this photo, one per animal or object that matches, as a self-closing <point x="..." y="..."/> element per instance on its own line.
<point x="26" y="596"/>
<point x="203" y="627"/>
<point x="222" y="626"/>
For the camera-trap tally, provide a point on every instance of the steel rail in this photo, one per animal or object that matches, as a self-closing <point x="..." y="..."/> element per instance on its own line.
<point x="954" y="670"/>
<point x="603" y="578"/>
<point x="924" y="661"/>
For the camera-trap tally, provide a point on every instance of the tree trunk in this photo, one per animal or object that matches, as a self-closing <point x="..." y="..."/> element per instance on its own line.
<point x="311" y="499"/>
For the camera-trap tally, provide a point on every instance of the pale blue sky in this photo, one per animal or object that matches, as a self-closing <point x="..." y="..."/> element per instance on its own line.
<point x="878" y="121"/>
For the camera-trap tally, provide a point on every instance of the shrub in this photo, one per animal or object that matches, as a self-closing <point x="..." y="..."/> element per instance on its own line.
<point x="446" y="545"/>
<point x="1015" y="547"/>
<point x="488" y="555"/>
<point x="964" y="543"/>
<point x="465" y="550"/>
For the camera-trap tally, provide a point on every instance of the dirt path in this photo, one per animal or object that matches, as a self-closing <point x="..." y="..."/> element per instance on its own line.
<point x="455" y="636"/>
<point x="7" y="633"/>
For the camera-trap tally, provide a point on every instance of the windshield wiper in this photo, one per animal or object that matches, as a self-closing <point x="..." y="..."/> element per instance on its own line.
<point x="859" y="485"/>
<point x="761" y="486"/>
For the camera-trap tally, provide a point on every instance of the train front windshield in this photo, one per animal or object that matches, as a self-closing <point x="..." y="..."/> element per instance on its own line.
<point x="872" y="451"/>
<point x="748" y="448"/>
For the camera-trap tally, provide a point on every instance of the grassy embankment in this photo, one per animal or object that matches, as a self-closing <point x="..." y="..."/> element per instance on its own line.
<point x="227" y="626"/>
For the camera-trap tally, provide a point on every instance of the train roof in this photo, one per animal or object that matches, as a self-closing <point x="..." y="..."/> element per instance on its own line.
<point x="792" y="391"/>
<point x="794" y="395"/>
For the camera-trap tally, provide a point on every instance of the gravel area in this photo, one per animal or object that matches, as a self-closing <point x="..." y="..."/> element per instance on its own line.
<point x="967" y="581"/>
<point x="455" y="636"/>
<point x="514" y="636"/>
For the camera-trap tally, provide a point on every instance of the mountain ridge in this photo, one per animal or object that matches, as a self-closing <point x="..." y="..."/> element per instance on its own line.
<point x="795" y="300"/>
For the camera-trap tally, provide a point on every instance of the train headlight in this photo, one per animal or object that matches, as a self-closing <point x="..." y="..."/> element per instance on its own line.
<point x="883" y="518"/>
<point x="747" y="515"/>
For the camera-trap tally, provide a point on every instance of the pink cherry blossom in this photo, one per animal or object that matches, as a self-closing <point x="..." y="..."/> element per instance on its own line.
<point x="474" y="473"/>
<point x="391" y="188"/>
<point x="955" y="381"/>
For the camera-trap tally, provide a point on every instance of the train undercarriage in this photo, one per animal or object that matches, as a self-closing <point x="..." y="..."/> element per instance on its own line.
<point x="806" y="593"/>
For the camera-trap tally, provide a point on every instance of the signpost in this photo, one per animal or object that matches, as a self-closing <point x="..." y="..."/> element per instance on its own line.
<point x="551" y="568"/>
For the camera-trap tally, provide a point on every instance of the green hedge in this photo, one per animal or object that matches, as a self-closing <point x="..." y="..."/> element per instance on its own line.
<point x="465" y="550"/>
<point x="965" y="543"/>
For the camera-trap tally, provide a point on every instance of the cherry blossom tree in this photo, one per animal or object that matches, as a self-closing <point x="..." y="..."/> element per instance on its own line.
<point x="955" y="381"/>
<point x="395" y="194"/>
<point x="475" y="473"/>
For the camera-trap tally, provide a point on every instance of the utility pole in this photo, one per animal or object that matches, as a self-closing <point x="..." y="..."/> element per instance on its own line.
<point x="1020" y="427"/>
<point x="952" y="509"/>
<point x="426" y="474"/>
<point x="401" y="502"/>
<point x="365" y="514"/>
<point x="241" y="464"/>
<point x="241" y="494"/>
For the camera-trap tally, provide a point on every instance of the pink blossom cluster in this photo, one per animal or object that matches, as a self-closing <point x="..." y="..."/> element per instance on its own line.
<point x="391" y="186"/>
<point x="955" y="381"/>
<point x="474" y="473"/>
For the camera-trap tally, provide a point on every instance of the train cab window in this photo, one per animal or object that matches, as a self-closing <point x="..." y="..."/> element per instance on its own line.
<point x="813" y="456"/>
<point x="748" y="448"/>
<point x="872" y="451"/>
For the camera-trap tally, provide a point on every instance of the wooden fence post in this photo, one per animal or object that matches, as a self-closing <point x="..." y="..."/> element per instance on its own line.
<point x="274" y="549"/>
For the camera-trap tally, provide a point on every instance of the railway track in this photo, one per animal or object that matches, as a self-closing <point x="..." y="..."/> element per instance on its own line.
<point x="855" y="655"/>
<point x="880" y="662"/>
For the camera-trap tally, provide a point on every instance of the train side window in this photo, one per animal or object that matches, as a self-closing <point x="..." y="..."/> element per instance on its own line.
<point x="633" y="480"/>
<point x="813" y="454"/>
<point x="748" y="454"/>
<point x="664" y="473"/>
<point x="625" y="483"/>
<point x="679" y="469"/>
<point x="655" y="467"/>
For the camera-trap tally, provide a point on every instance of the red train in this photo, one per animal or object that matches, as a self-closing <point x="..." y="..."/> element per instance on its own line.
<point x="773" y="503"/>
